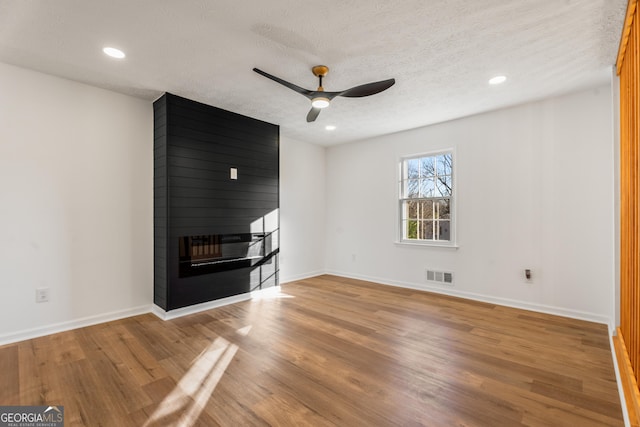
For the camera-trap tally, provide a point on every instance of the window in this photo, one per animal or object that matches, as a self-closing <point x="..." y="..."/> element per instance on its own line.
<point x="426" y="192"/>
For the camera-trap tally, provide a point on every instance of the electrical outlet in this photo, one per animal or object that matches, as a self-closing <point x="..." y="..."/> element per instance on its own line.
<point x="42" y="295"/>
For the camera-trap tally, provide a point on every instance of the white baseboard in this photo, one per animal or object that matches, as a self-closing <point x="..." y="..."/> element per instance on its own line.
<point x="27" y="334"/>
<point x="616" y="369"/>
<point x="541" y="308"/>
<point x="192" y="309"/>
<point x="297" y="277"/>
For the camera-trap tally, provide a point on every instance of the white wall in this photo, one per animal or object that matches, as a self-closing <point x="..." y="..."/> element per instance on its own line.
<point x="76" y="203"/>
<point x="302" y="209"/>
<point x="615" y="111"/>
<point x="534" y="190"/>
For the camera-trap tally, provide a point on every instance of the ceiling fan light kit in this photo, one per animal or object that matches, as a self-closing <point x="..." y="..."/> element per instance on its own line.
<point x="320" y="102"/>
<point x="321" y="99"/>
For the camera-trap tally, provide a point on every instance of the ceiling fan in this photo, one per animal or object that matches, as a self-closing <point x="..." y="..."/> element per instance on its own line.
<point x="321" y="99"/>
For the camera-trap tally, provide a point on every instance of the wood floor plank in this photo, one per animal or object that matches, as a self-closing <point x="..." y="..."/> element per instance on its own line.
<point x="30" y="381"/>
<point x="325" y="351"/>
<point x="9" y="375"/>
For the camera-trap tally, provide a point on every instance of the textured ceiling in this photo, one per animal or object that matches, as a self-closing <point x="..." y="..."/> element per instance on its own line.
<point x="441" y="53"/>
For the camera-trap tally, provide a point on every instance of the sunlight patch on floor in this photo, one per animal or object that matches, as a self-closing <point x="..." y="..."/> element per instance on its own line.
<point x="244" y="331"/>
<point x="187" y="400"/>
<point x="269" y="293"/>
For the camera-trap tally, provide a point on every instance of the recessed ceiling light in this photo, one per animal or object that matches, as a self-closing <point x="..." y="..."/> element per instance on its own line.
<point x="113" y="52"/>
<point x="330" y="127"/>
<point x="497" y="80"/>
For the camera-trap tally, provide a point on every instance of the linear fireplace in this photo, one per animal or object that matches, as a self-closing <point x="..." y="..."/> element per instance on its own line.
<point x="212" y="253"/>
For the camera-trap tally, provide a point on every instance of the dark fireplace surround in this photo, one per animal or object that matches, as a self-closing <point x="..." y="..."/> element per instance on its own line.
<point x="216" y="201"/>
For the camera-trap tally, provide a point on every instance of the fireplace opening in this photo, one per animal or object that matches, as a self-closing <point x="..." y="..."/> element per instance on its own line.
<point x="204" y="254"/>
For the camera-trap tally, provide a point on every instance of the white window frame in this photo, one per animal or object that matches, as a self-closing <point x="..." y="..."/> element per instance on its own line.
<point x="452" y="242"/>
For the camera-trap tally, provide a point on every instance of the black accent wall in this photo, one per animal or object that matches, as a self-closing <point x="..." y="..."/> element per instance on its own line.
<point x="195" y="145"/>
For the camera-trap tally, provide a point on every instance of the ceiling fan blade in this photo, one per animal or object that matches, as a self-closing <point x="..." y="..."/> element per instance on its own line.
<point x="300" y="90"/>
<point x="367" y="89"/>
<point x="313" y="114"/>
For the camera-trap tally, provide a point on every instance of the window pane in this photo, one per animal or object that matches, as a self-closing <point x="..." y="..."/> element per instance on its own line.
<point x="443" y="186"/>
<point x="427" y="188"/>
<point x="426" y="210"/>
<point x="413" y="168"/>
<point x="412" y="188"/>
<point x="444" y="209"/>
<point x="411" y="229"/>
<point x="444" y="164"/>
<point x="426" y="230"/>
<point x="427" y="167"/>
<point x="444" y="230"/>
<point x="411" y="210"/>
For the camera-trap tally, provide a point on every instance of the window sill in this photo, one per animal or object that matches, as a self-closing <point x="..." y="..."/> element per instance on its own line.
<point x="427" y="244"/>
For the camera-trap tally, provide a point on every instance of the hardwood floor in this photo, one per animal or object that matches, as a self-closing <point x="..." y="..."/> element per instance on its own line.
<point x="325" y="351"/>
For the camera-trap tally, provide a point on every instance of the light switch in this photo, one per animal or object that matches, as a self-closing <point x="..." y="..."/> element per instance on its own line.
<point x="233" y="172"/>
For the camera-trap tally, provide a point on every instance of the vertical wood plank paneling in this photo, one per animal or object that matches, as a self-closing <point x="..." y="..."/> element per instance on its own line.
<point x="195" y="195"/>
<point x="160" y="202"/>
<point x="627" y="341"/>
<point x="635" y="137"/>
<point x="631" y="328"/>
